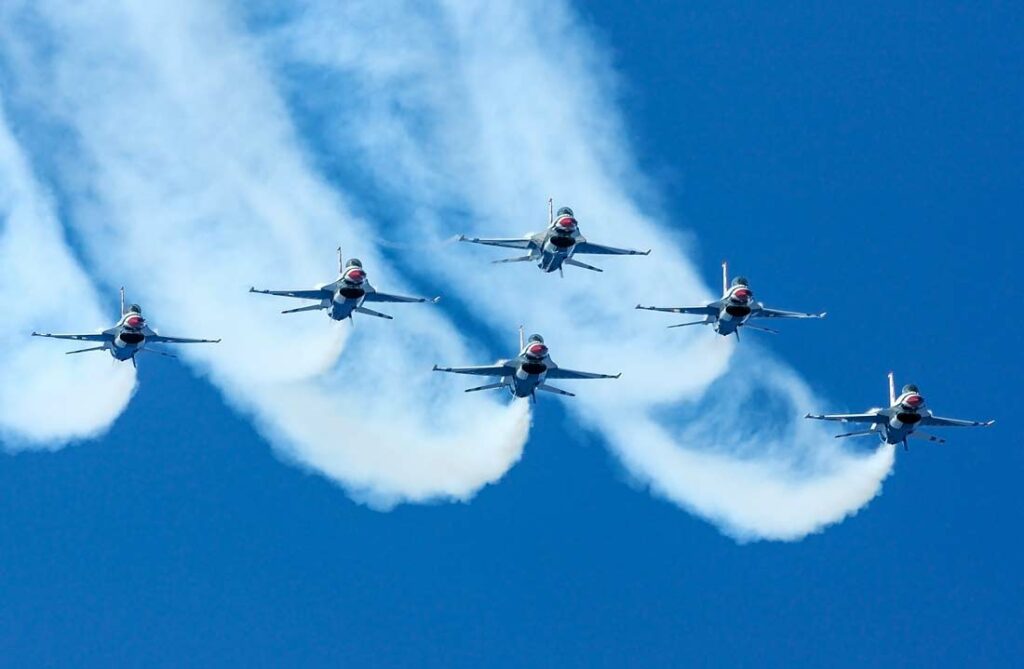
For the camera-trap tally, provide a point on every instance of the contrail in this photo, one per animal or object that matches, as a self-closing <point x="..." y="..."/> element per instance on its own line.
<point x="47" y="398"/>
<point x="468" y="115"/>
<point x="187" y="173"/>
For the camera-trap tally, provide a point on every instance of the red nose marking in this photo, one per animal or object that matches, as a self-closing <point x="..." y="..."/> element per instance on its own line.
<point x="742" y="294"/>
<point x="538" y="350"/>
<point x="567" y="222"/>
<point x="914" y="400"/>
<point x="134" y="321"/>
<point x="356" y="275"/>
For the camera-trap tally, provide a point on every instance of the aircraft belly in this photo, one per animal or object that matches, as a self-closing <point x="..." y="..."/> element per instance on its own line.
<point x="551" y="261"/>
<point x="342" y="310"/>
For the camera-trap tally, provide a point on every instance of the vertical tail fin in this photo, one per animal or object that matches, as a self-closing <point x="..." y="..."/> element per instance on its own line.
<point x="122" y="300"/>
<point x="892" y="389"/>
<point x="551" y="210"/>
<point x="341" y="262"/>
<point x="522" y="338"/>
<point x="725" y="277"/>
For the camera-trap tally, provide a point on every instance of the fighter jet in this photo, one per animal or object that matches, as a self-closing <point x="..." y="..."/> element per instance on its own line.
<point x="556" y="246"/>
<point x="344" y="296"/>
<point x="734" y="310"/>
<point x="900" y="421"/>
<point x="128" y="338"/>
<point x="526" y="373"/>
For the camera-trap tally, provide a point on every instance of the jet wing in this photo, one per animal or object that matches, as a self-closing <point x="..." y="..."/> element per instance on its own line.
<point x="77" y="337"/>
<point x="517" y="243"/>
<point x="707" y="310"/>
<point x="482" y="370"/>
<point x="875" y="418"/>
<point x="316" y="294"/>
<point x="953" y="422"/>
<point x="385" y="297"/>
<point x="779" y="313"/>
<point x="562" y="373"/>
<point x="598" y="249"/>
<point x="159" y="339"/>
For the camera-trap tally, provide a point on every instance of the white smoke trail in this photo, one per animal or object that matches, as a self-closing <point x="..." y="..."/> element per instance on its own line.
<point x="188" y="176"/>
<point x="47" y="398"/>
<point x="468" y="115"/>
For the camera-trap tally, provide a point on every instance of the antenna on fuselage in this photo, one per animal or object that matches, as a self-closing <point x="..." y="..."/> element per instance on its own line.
<point x="341" y="262"/>
<point x="122" y="300"/>
<point x="551" y="211"/>
<point x="892" y="390"/>
<point x="522" y="338"/>
<point x="725" y="277"/>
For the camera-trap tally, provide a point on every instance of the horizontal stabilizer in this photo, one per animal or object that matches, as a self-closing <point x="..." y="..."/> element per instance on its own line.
<point x="583" y="265"/>
<point x="371" y="312"/>
<point x="859" y="433"/>
<point x="924" y="436"/>
<point x="683" y="325"/>
<point x="517" y="259"/>
<point x="761" y="328"/>
<point x="84" y="350"/>
<point x="551" y="389"/>
<point x="312" y="307"/>
<point x="489" y="386"/>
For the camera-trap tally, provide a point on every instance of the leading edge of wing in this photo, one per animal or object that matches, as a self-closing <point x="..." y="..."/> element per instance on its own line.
<point x="481" y="370"/>
<point x="706" y="310"/>
<point x="75" y="337"/>
<point x="851" y="417"/>
<point x="562" y="373"/>
<point x="508" y="243"/>
<point x="317" y="294"/>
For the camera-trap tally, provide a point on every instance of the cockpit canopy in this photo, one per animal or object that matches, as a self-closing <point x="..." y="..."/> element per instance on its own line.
<point x="910" y="388"/>
<point x="740" y="281"/>
<point x="135" y="309"/>
<point x="565" y="211"/>
<point x="537" y="338"/>
<point x="355" y="262"/>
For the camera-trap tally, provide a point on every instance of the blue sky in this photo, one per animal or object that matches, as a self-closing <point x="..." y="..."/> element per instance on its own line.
<point x="860" y="161"/>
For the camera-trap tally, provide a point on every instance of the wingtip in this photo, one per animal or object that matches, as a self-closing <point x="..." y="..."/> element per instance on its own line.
<point x="436" y="299"/>
<point x="436" y="369"/>
<point x="462" y="238"/>
<point x="618" y="375"/>
<point x="252" y="289"/>
<point x="646" y="253"/>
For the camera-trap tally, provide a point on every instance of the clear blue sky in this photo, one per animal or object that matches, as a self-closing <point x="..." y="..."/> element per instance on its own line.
<point x="865" y="156"/>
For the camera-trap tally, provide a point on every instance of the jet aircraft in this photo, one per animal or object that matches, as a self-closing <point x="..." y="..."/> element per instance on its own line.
<point x="734" y="310"/>
<point x="528" y="372"/>
<point x="128" y="338"/>
<point x="556" y="246"/>
<point x="900" y="421"/>
<point x="344" y="296"/>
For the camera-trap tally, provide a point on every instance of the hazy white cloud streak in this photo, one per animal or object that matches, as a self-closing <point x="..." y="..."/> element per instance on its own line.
<point x="47" y="398"/>
<point x="468" y="115"/>
<point x="188" y="182"/>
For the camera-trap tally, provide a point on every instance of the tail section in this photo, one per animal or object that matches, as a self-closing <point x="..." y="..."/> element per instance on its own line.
<point x="341" y="262"/>
<point x="84" y="350"/>
<point x="583" y="265"/>
<point x="892" y="389"/>
<point x="371" y="312"/>
<point x="122" y="300"/>
<point x="725" y="277"/>
<point x="551" y="211"/>
<point x="522" y="338"/>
